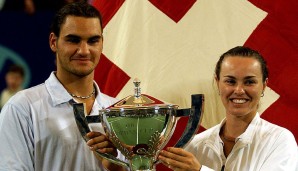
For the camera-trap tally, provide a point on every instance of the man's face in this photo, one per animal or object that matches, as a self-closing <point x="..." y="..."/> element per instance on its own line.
<point x="79" y="46"/>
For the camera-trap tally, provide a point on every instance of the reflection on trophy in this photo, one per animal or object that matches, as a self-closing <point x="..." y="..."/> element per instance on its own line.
<point x="140" y="126"/>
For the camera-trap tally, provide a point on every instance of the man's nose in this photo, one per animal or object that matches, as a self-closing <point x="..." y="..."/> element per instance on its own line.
<point x="83" y="48"/>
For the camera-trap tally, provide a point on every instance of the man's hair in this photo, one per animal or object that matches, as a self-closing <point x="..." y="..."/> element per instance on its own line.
<point x="79" y="9"/>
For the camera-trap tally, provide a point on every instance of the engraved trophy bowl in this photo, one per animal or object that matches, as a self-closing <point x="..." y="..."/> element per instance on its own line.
<point x="139" y="126"/>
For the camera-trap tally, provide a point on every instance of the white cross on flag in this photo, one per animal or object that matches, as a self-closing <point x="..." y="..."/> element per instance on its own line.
<point x="172" y="46"/>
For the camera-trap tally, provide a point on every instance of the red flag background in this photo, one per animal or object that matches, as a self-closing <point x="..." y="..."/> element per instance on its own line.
<point x="172" y="47"/>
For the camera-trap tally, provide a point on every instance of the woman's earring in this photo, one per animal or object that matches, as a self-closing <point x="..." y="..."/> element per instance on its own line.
<point x="262" y="95"/>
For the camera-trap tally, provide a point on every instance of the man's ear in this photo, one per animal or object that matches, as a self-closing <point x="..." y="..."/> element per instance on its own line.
<point x="53" y="42"/>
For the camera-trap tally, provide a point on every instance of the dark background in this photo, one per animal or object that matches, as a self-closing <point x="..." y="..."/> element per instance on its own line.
<point x="27" y="36"/>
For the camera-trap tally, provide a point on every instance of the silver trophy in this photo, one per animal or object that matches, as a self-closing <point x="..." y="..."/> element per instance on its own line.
<point x="140" y="126"/>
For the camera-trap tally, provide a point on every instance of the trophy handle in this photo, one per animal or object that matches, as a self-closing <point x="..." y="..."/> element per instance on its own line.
<point x="82" y="124"/>
<point x="195" y="116"/>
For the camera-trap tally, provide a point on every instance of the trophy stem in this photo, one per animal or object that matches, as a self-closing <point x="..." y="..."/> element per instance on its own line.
<point x="142" y="163"/>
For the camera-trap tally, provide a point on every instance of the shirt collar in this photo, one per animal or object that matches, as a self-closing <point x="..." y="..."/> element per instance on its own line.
<point x="56" y="90"/>
<point x="60" y="95"/>
<point x="247" y="136"/>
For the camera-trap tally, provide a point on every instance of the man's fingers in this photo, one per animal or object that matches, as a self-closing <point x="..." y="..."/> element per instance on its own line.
<point x="96" y="140"/>
<point x="106" y="150"/>
<point x="93" y="134"/>
<point x="100" y="142"/>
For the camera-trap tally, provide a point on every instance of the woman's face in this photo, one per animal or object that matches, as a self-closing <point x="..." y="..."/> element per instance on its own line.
<point x="240" y="85"/>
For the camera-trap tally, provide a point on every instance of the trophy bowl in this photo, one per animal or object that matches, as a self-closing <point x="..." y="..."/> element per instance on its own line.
<point x="139" y="126"/>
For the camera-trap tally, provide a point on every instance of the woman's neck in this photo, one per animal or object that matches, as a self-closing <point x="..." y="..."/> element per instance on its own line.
<point x="235" y="125"/>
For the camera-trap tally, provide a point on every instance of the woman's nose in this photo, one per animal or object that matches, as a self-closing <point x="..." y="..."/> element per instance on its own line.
<point x="239" y="89"/>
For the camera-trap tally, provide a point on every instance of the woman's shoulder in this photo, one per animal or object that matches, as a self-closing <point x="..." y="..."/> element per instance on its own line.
<point x="274" y="131"/>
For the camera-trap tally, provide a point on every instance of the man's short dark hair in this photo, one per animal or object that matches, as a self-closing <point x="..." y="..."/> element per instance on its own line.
<point x="79" y="9"/>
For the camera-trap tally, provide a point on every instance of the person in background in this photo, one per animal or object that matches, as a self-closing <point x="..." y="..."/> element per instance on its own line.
<point x="243" y="140"/>
<point x="14" y="79"/>
<point x="38" y="130"/>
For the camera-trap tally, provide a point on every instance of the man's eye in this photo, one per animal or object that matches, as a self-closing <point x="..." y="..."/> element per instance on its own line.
<point x="93" y="40"/>
<point x="73" y="40"/>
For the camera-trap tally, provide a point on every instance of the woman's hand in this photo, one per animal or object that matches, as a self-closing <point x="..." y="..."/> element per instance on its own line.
<point x="179" y="159"/>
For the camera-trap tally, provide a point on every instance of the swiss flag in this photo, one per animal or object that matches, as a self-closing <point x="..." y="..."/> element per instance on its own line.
<point x="172" y="46"/>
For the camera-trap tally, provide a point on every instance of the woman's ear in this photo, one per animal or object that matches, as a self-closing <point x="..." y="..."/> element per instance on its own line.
<point x="265" y="84"/>
<point x="216" y="80"/>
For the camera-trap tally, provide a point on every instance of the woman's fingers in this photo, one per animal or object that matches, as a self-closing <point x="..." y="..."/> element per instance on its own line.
<point x="179" y="159"/>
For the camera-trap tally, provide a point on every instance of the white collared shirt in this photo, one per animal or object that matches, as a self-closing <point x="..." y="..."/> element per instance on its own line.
<point x="262" y="147"/>
<point x="38" y="130"/>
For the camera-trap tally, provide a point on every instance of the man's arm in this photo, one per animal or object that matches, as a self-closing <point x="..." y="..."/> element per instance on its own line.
<point x="16" y="139"/>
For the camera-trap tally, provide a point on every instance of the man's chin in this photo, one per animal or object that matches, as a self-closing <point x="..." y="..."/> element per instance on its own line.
<point x="82" y="73"/>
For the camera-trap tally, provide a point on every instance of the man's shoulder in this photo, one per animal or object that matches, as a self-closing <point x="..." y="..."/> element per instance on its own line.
<point x="32" y="90"/>
<point x="29" y="94"/>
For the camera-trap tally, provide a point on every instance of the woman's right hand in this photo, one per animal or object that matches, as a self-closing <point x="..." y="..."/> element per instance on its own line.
<point x="179" y="160"/>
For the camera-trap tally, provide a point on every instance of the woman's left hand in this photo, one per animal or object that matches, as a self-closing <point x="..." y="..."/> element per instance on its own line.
<point x="179" y="160"/>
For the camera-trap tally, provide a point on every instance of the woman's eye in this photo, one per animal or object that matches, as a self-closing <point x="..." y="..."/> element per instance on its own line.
<point x="230" y="81"/>
<point x="249" y="82"/>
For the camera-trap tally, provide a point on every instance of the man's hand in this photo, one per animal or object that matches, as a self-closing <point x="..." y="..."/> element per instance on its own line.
<point x="100" y="142"/>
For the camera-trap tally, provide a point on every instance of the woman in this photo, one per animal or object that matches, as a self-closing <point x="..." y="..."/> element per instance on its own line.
<point x="242" y="141"/>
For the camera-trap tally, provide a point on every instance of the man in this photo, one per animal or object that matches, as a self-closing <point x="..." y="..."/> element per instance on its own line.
<point x="37" y="127"/>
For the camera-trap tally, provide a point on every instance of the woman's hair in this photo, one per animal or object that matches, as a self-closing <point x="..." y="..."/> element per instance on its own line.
<point x="245" y="52"/>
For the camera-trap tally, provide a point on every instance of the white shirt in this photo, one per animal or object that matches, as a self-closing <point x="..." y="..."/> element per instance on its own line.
<point x="262" y="147"/>
<point x="5" y="96"/>
<point x="38" y="130"/>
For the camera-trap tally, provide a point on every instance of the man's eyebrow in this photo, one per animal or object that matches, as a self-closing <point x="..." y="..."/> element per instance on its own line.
<point x="95" y="37"/>
<point x="72" y="36"/>
<point x="78" y="37"/>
